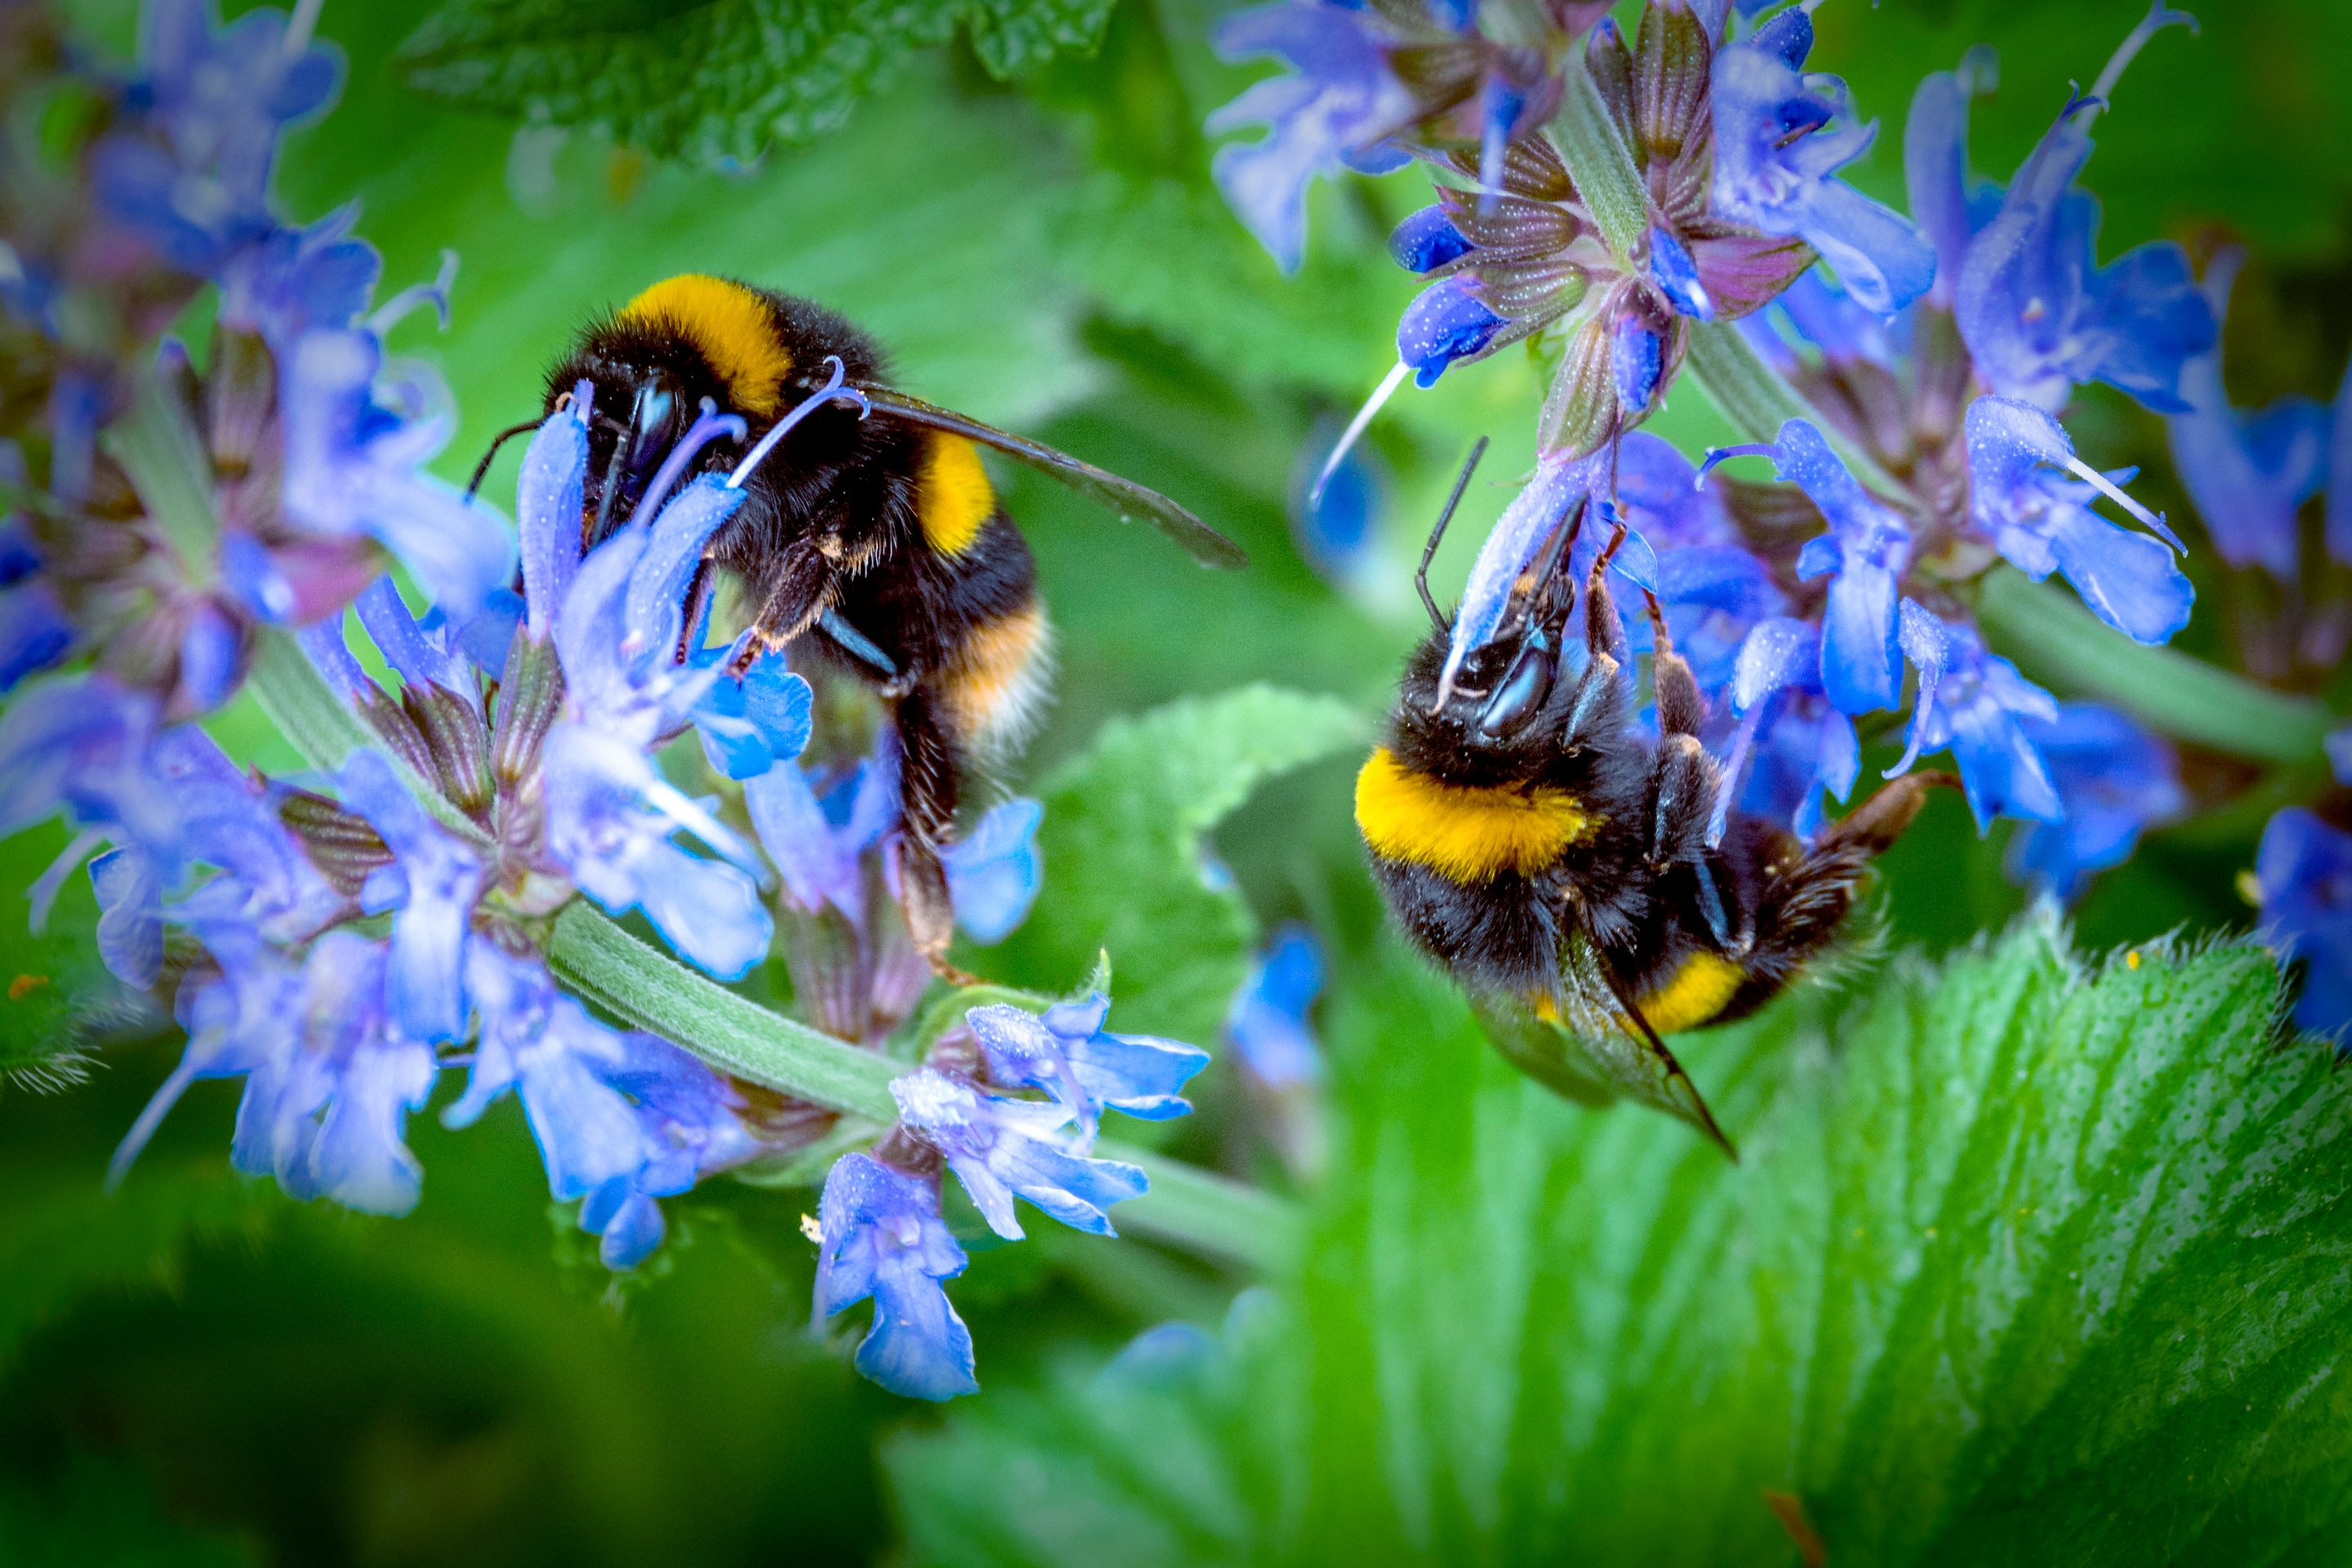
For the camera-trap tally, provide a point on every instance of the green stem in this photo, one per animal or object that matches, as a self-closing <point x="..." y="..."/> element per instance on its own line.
<point x="159" y="448"/>
<point x="1759" y="399"/>
<point x="2054" y="637"/>
<point x="653" y="991"/>
<point x="323" y="728"/>
<point x="1189" y="1207"/>
<point x="1599" y="162"/>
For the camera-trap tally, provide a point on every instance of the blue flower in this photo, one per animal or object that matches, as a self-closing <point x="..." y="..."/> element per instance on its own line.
<point x="1269" y="1025"/>
<point x="85" y="748"/>
<point x="1712" y="589"/>
<point x="2304" y="874"/>
<point x="994" y="872"/>
<point x="1560" y="485"/>
<point x="2115" y="779"/>
<point x="1864" y="554"/>
<point x="2249" y="474"/>
<point x="748" y="724"/>
<point x="354" y="468"/>
<point x="2339" y="474"/>
<point x="621" y="1119"/>
<point x="2041" y="521"/>
<point x="1335" y="112"/>
<point x="432" y="881"/>
<point x="2038" y="312"/>
<point x="189" y="164"/>
<point x="1427" y="239"/>
<point x="610" y="814"/>
<point x="295" y="281"/>
<point x="1636" y="358"/>
<point x="261" y="888"/>
<point x="999" y="1148"/>
<point x="1792" y="746"/>
<point x="1776" y="164"/>
<point x="1975" y="703"/>
<point x="818" y="844"/>
<point x="34" y="632"/>
<point x="1066" y="1052"/>
<point x="1948" y="206"/>
<point x="882" y="1237"/>
<point x="329" y="1081"/>
<point x="1334" y="511"/>
<point x="1446" y="322"/>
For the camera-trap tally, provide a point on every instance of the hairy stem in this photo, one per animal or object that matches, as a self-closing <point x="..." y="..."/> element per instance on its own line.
<point x="1188" y="1207"/>
<point x="2054" y="639"/>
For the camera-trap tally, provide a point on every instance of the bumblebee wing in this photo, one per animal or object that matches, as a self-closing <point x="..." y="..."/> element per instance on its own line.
<point x="1598" y="1048"/>
<point x="1131" y="501"/>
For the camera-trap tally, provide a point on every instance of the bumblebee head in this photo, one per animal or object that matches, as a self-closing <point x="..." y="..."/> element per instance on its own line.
<point x="1496" y="702"/>
<point x="647" y="388"/>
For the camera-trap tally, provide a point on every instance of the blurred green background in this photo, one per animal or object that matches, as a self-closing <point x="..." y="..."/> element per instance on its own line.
<point x="197" y="1370"/>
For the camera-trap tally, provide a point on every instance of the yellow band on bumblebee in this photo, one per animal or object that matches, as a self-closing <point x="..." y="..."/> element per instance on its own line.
<point x="732" y="327"/>
<point x="955" y="498"/>
<point x="1702" y="988"/>
<point x="1470" y="833"/>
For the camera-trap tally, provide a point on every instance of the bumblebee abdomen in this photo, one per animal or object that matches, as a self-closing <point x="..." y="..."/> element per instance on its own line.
<point x="1499" y="934"/>
<point x="1697" y="990"/>
<point x="995" y="683"/>
<point x="954" y="499"/>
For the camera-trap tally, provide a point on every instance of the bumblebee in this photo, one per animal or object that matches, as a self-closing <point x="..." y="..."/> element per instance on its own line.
<point x="1560" y="864"/>
<point x="872" y="531"/>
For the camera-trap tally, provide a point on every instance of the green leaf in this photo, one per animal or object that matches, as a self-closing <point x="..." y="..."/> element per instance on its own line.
<point x="1014" y="36"/>
<point x="1168" y="255"/>
<point x="63" y="1237"/>
<point x="1123" y="845"/>
<point x="720" y="81"/>
<point x="2028" y="1262"/>
<point x="102" y="1514"/>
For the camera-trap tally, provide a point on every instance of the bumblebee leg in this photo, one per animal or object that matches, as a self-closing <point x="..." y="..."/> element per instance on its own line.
<point x="1603" y="667"/>
<point x="1681" y="709"/>
<point x="929" y="773"/>
<point x="1878" y="822"/>
<point x="1688" y="781"/>
<point x="697" y="594"/>
<point x="798" y="593"/>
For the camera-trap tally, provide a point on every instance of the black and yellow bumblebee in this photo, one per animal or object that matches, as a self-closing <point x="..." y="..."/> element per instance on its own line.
<point x="873" y="532"/>
<point x="1558" y="863"/>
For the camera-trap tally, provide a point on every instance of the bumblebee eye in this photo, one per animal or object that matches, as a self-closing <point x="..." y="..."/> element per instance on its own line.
<point x="652" y="434"/>
<point x="1521" y="692"/>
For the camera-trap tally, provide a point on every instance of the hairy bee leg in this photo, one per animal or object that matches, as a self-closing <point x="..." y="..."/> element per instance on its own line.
<point x="1681" y="709"/>
<point x="803" y="588"/>
<point x="1688" y="781"/>
<point x="928" y="783"/>
<point x="697" y="594"/>
<point x="1875" y="825"/>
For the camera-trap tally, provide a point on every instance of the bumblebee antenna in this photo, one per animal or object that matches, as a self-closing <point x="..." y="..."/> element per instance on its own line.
<point x="482" y="469"/>
<point x="1429" y="550"/>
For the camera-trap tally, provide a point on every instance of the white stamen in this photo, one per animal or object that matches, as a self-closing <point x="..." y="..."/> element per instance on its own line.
<point x="2114" y="492"/>
<point x="301" y="24"/>
<point x="2159" y="17"/>
<point x="1356" y="427"/>
<point x="50" y="883"/>
<point x="831" y="392"/>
